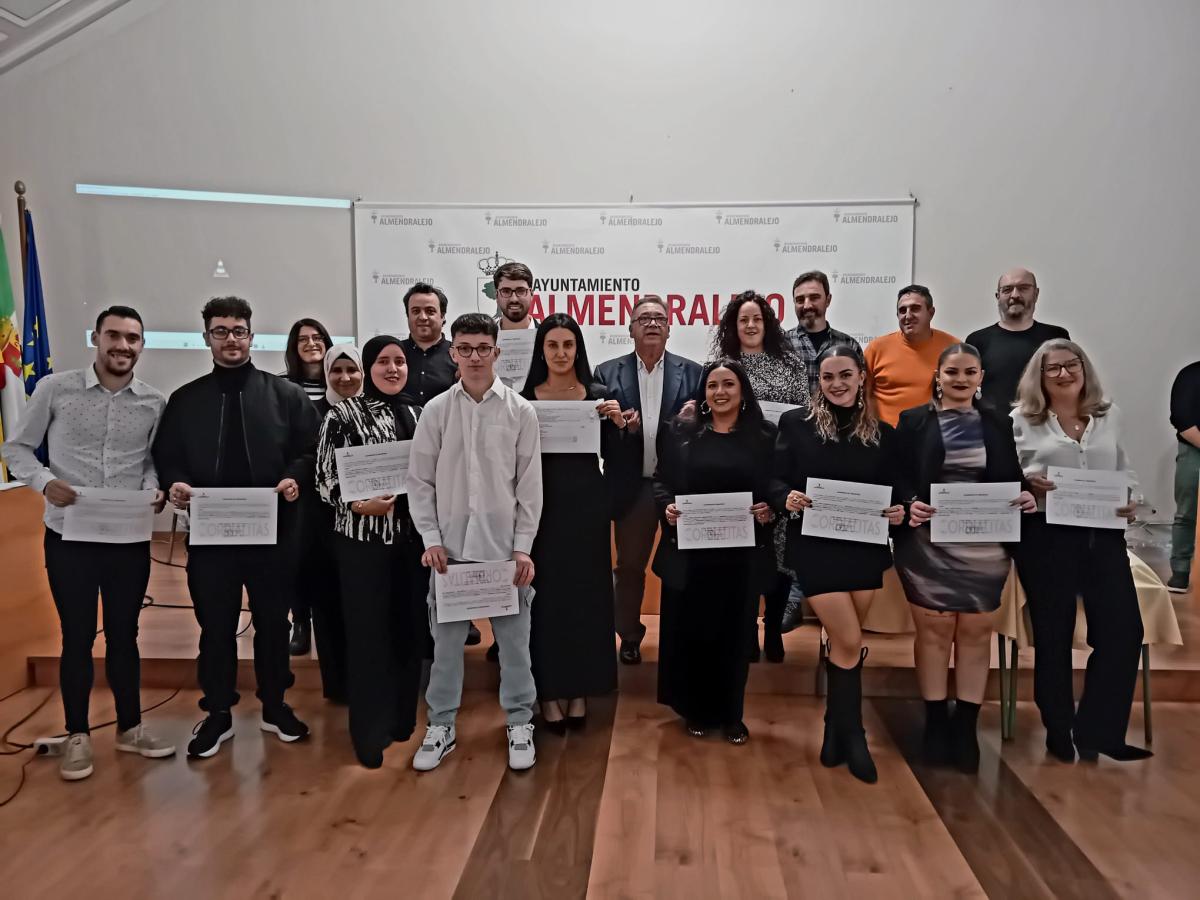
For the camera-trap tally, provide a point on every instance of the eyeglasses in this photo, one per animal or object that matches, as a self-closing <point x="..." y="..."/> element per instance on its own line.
<point x="1022" y="288"/>
<point x="241" y="332"/>
<point x="509" y="293"/>
<point x="306" y="340"/>
<point x="1073" y="366"/>
<point x="465" y="350"/>
<point x="651" y="320"/>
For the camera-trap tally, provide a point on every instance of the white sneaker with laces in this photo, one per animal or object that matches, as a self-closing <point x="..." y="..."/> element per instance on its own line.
<point x="438" y="743"/>
<point x="521" y="753"/>
<point x="77" y="758"/>
<point x="141" y="741"/>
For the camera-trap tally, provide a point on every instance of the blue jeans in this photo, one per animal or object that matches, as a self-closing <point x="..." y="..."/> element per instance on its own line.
<point x="517" y="690"/>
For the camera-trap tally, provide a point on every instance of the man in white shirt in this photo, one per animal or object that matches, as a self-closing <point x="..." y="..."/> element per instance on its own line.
<point x="100" y="423"/>
<point x="651" y="385"/>
<point x="475" y="495"/>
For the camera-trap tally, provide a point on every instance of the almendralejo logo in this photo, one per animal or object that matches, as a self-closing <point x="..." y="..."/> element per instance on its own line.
<point x="745" y="219"/>
<point x="803" y="247"/>
<point x="448" y="247"/>
<point x="865" y="278"/>
<point x="858" y="218"/>
<point x="514" y="221"/>
<point x="400" y="280"/>
<point x="401" y="220"/>
<point x="568" y="249"/>
<point x="686" y="248"/>
<point x="630" y="221"/>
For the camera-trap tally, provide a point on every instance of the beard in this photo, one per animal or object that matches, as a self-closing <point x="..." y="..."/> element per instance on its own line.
<point x="515" y="313"/>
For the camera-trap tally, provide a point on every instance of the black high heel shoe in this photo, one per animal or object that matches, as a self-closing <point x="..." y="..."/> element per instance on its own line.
<point x="556" y="726"/>
<point x="576" y="723"/>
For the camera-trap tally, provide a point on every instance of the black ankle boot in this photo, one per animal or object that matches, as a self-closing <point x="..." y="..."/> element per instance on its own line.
<point x="935" y="750"/>
<point x="964" y="740"/>
<point x="831" y="748"/>
<point x="772" y="621"/>
<point x="845" y="705"/>
<point x="301" y="642"/>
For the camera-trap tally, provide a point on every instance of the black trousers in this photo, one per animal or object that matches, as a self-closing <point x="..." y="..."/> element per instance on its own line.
<point x="317" y="592"/>
<point x="1058" y="563"/>
<point x="79" y="572"/>
<point x="216" y="576"/>
<point x="385" y="609"/>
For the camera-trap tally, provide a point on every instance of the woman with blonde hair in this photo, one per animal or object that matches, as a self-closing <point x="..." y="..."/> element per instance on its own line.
<point x="1063" y="419"/>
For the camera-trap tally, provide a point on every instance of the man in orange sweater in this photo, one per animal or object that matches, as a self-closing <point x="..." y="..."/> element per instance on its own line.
<point x="900" y="365"/>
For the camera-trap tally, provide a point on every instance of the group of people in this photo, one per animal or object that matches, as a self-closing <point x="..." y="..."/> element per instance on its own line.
<point x="918" y="407"/>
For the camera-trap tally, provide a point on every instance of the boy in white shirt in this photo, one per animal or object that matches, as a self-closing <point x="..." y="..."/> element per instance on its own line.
<point x="475" y="495"/>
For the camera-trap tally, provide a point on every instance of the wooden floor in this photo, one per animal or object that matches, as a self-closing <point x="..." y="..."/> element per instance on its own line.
<point x="630" y="807"/>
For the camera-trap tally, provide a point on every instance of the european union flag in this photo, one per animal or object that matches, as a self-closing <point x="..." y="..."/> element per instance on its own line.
<point x="35" y="348"/>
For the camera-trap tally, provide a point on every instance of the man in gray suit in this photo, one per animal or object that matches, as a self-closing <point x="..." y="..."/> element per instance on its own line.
<point x="651" y="386"/>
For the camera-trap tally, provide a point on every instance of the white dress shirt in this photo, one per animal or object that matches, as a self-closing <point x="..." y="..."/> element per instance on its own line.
<point x="650" y="390"/>
<point x="475" y="474"/>
<point x="96" y="438"/>
<point x="1099" y="447"/>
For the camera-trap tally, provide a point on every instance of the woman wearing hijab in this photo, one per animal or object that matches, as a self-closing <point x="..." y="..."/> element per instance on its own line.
<point x="316" y="569"/>
<point x="383" y="585"/>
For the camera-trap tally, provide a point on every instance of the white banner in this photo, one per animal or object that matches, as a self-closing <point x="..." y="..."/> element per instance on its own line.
<point x="593" y="262"/>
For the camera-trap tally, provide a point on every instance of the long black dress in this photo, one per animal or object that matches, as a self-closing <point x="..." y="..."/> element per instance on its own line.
<point x="709" y="603"/>
<point x="571" y="620"/>
<point x="826" y="565"/>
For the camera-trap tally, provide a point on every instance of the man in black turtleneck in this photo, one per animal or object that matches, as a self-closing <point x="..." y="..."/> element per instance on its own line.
<point x="238" y="427"/>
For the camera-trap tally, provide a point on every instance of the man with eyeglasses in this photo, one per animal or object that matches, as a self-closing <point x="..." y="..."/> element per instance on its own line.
<point x="238" y="427"/>
<point x="513" y="282"/>
<point x="651" y="385"/>
<point x="475" y="495"/>
<point x="1006" y="347"/>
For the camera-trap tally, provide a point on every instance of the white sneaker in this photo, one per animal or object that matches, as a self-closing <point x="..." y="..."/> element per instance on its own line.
<point x="77" y="759"/>
<point x="438" y="743"/>
<point x="139" y="740"/>
<point x="521" y="753"/>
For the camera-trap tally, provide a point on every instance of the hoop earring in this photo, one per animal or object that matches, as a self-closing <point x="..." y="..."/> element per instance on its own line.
<point x="705" y="409"/>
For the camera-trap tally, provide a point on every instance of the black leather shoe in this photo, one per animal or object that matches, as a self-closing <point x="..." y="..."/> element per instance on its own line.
<point x="473" y="635"/>
<point x="1122" y="753"/>
<point x="631" y="653"/>
<point x="1059" y="745"/>
<point x="737" y="733"/>
<point x="301" y="642"/>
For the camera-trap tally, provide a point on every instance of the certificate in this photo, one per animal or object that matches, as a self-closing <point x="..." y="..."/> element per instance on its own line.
<point x="772" y="411"/>
<point x="715" y="520"/>
<point x="568" y="426"/>
<point x="373" y="470"/>
<point x="846" y="510"/>
<point x="516" y="353"/>
<point x="233" y="516"/>
<point x="109" y="516"/>
<point x="975" y="513"/>
<point x="1086" y="497"/>
<point x="475" y="591"/>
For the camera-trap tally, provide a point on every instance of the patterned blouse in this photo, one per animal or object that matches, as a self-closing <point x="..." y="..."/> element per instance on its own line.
<point x="354" y="423"/>
<point x="780" y="379"/>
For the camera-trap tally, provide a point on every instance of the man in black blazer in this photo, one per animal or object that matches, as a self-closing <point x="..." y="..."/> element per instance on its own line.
<point x="651" y="386"/>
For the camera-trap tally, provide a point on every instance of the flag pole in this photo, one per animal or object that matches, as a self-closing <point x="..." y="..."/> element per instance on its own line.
<point x="19" y="187"/>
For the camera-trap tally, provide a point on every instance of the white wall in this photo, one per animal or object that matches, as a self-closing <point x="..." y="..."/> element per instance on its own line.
<point x="1060" y="136"/>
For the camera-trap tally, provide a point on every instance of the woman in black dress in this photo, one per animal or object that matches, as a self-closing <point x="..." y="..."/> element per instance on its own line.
<point x="710" y="596"/>
<point x="750" y="333"/>
<point x="840" y="439"/>
<point x="303" y="355"/>
<point x="953" y="588"/>
<point x="383" y="584"/>
<point x="571" y="629"/>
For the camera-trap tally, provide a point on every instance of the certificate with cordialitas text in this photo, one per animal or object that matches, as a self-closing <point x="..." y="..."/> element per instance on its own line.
<point x="1086" y="498"/>
<point x="475" y="591"/>
<point x="715" y="520"/>
<point x="846" y="510"/>
<point x="568" y="426"/>
<point x="233" y="516"/>
<point x="373" y="470"/>
<point x="974" y="513"/>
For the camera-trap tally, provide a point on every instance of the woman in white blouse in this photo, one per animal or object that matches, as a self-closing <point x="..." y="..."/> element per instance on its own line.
<point x="1062" y="419"/>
